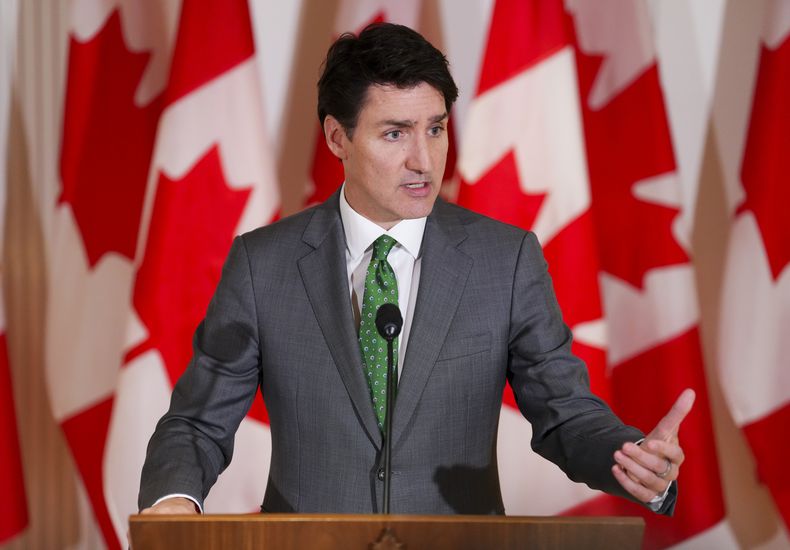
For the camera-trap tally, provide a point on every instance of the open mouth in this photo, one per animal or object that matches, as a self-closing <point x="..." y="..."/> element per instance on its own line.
<point x="419" y="185"/>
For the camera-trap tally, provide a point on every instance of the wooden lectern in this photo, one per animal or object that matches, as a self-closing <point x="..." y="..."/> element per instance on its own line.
<point x="379" y="532"/>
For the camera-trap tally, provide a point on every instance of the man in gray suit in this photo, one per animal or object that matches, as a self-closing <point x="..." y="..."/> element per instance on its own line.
<point x="292" y="314"/>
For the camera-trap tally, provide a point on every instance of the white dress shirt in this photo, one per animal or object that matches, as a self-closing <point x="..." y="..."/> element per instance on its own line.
<point x="404" y="259"/>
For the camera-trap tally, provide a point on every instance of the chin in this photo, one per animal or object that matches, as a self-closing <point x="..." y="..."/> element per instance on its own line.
<point x="416" y="207"/>
<point x="413" y="213"/>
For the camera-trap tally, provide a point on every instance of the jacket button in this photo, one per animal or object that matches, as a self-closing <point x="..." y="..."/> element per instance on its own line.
<point x="380" y="474"/>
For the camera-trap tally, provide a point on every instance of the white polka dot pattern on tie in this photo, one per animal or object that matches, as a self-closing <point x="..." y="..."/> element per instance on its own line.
<point x="381" y="287"/>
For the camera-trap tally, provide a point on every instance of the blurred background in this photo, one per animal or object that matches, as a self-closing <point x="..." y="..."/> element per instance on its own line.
<point x="645" y="142"/>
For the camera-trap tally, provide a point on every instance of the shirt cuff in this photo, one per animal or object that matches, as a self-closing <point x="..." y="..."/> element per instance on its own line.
<point x="657" y="501"/>
<point x="198" y="507"/>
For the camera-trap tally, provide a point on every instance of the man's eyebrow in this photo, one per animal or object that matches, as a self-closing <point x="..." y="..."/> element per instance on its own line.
<point x="411" y="123"/>
<point x="398" y="123"/>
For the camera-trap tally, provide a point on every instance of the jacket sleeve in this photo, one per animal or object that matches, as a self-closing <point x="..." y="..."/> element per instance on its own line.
<point x="193" y="441"/>
<point x="571" y="426"/>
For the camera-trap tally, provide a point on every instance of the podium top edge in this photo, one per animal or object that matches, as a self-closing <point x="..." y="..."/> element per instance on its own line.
<point x="390" y="518"/>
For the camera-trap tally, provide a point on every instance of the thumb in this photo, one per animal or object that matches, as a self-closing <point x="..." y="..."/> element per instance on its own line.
<point x="668" y="426"/>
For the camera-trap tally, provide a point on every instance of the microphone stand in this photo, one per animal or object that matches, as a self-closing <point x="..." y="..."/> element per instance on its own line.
<point x="388" y="425"/>
<point x="389" y="323"/>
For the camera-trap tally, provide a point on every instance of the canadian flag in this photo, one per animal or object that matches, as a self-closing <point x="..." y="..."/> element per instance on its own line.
<point x="326" y="173"/>
<point x="755" y="313"/>
<point x="568" y="137"/>
<point x="161" y="165"/>
<point x="13" y="502"/>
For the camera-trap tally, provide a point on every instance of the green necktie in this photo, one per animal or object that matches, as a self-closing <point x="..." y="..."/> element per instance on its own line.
<point x="381" y="287"/>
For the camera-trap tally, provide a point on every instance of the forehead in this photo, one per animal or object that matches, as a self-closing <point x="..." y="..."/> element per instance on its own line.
<point x="383" y="102"/>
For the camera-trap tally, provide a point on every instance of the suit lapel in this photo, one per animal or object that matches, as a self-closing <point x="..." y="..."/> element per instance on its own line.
<point x="325" y="279"/>
<point x="443" y="274"/>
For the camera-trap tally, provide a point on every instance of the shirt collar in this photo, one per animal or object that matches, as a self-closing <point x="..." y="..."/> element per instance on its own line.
<point x="361" y="232"/>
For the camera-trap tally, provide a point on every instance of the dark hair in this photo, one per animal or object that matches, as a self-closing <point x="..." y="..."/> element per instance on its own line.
<point x="384" y="54"/>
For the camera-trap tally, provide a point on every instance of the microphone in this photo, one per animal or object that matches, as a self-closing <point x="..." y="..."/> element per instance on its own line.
<point x="389" y="323"/>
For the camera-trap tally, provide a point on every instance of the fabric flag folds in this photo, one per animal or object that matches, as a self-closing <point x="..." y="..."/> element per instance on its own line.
<point x="755" y="313"/>
<point x="13" y="503"/>
<point x="13" y="506"/>
<point x="567" y="136"/>
<point x="161" y="165"/>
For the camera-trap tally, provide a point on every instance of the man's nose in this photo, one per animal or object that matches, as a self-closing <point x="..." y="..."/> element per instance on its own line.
<point x="419" y="158"/>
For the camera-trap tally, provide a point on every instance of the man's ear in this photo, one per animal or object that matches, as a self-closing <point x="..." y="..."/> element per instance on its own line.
<point x="336" y="137"/>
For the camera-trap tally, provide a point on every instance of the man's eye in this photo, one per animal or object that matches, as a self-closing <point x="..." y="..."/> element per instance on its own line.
<point x="394" y="134"/>
<point x="436" y="130"/>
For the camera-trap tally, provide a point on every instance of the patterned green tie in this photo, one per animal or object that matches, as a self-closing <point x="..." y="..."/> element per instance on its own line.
<point x="381" y="287"/>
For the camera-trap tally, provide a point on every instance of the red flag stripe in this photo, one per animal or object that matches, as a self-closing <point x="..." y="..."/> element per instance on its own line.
<point x="771" y="450"/>
<point x="522" y="34"/>
<point x="13" y="504"/>
<point x="86" y="433"/>
<point x="210" y="42"/>
<point x="766" y="163"/>
<point x="764" y="175"/>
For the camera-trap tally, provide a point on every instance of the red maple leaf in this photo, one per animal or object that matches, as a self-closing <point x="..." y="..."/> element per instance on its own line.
<point x="497" y="194"/>
<point x="628" y="141"/>
<point x="191" y="230"/>
<point x="107" y="142"/>
<point x="765" y="172"/>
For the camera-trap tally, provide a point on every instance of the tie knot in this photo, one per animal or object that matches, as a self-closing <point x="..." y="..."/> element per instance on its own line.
<point x="382" y="247"/>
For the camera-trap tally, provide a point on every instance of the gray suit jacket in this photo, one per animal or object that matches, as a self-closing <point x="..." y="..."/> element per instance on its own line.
<point x="282" y="318"/>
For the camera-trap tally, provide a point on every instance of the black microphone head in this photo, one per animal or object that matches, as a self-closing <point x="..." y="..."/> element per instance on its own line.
<point x="389" y="321"/>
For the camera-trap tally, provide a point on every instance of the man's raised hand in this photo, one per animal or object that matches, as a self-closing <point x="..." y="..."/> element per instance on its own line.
<point x="646" y="470"/>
